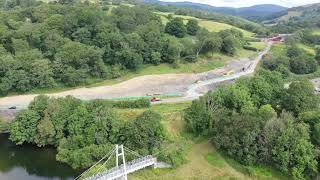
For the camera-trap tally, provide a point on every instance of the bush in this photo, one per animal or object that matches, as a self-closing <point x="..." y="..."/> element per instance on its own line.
<point x="303" y="64"/>
<point x="175" y="155"/>
<point x="250" y="48"/>
<point x="123" y="104"/>
<point x="140" y="103"/>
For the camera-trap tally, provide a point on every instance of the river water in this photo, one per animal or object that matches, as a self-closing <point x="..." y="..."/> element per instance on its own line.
<point x="27" y="162"/>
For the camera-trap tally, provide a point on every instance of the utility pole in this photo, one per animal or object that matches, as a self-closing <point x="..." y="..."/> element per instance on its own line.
<point x="120" y="153"/>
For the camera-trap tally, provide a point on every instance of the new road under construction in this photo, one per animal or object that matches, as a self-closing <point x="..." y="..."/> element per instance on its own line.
<point x="188" y="86"/>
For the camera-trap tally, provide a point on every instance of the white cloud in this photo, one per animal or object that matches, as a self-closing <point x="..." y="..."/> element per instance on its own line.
<point x="246" y="3"/>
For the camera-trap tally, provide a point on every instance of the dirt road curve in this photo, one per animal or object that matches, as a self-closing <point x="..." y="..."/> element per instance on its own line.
<point x="198" y="89"/>
<point x="190" y="85"/>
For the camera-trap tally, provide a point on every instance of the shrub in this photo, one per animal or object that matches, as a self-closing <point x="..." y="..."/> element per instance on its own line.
<point x="250" y="48"/>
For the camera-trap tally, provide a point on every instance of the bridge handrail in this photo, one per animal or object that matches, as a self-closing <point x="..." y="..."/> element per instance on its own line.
<point x="120" y="170"/>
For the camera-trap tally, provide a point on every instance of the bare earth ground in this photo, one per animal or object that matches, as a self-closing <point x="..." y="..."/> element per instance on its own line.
<point x="190" y="85"/>
<point x="139" y="86"/>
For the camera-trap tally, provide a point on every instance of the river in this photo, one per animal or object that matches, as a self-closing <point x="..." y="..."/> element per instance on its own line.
<point x="28" y="162"/>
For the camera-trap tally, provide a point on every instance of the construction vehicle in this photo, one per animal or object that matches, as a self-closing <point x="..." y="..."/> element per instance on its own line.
<point x="12" y="107"/>
<point x="228" y="73"/>
<point x="155" y="99"/>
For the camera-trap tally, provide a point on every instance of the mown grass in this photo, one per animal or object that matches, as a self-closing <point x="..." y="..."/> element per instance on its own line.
<point x="209" y="25"/>
<point x="203" y="160"/>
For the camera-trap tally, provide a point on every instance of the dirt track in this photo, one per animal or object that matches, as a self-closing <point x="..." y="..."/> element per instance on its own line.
<point x="187" y="84"/>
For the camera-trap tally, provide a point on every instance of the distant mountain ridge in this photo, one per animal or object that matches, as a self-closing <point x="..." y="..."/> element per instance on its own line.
<point x="252" y="13"/>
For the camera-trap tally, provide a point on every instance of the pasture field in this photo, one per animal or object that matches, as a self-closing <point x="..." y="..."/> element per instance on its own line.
<point x="209" y="25"/>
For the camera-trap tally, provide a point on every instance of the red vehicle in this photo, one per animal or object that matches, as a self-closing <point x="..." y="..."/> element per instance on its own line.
<point x="155" y="99"/>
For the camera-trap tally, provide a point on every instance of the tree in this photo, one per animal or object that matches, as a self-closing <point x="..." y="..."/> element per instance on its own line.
<point x="229" y="45"/>
<point x="155" y="58"/>
<point x="192" y="27"/>
<point x="318" y="54"/>
<point x="312" y="118"/>
<point x="24" y="128"/>
<point x="213" y="43"/>
<point x="237" y="134"/>
<point x="198" y="119"/>
<point x="300" y="97"/>
<point x="303" y="64"/>
<point x="286" y="144"/>
<point x="129" y="58"/>
<point x="188" y="51"/>
<point x="76" y="60"/>
<point x="171" y="50"/>
<point x="42" y="74"/>
<point x="294" y="51"/>
<point x="293" y="152"/>
<point x="146" y="131"/>
<point x="176" y="28"/>
<point x="46" y="133"/>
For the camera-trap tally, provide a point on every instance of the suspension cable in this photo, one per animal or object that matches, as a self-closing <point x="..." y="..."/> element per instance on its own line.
<point x="105" y="156"/>
<point x="105" y="162"/>
<point x="170" y="145"/>
<point x="133" y="152"/>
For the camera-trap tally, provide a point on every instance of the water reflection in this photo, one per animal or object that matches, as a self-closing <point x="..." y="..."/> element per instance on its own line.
<point x="28" y="162"/>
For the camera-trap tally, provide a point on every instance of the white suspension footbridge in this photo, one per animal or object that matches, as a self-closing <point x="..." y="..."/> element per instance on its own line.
<point x="99" y="171"/>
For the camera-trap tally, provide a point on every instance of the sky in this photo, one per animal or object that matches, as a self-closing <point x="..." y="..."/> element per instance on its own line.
<point x="246" y="3"/>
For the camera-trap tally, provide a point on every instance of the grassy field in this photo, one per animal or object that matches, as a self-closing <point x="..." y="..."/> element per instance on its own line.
<point x="210" y="25"/>
<point x="280" y="49"/>
<point x="290" y="15"/>
<point x="259" y="45"/>
<point x="309" y="49"/>
<point x="316" y="32"/>
<point x="203" y="160"/>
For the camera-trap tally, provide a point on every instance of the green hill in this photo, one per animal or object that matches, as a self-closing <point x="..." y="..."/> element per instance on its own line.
<point x="295" y="18"/>
<point x="210" y="25"/>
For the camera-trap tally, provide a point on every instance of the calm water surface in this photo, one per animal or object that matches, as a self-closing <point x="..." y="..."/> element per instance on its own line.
<point x="27" y="162"/>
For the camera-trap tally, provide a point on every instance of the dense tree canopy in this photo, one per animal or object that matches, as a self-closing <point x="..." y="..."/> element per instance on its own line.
<point x="69" y="43"/>
<point x="84" y="132"/>
<point x="176" y="28"/>
<point x="192" y="27"/>
<point x="258" y="121"/>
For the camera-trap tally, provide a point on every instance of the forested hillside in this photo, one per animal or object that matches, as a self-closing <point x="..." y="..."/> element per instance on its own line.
<point x="232" y="20"/>
<point x="252" y="13"/>
<point x="295" y="18"/>
<point x="69" y="43"/>
<point x="258" y="121"/>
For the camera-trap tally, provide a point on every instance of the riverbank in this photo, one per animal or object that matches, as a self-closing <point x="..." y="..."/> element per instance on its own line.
<point x="4" y="126"/>
<point x="29" y="162"/>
